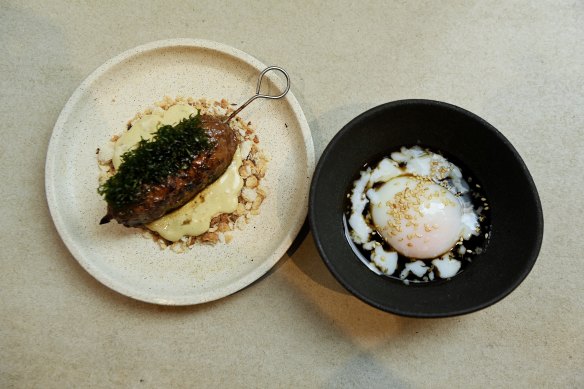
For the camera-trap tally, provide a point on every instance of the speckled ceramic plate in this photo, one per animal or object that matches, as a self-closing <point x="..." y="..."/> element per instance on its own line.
<point x="122" y="258"/>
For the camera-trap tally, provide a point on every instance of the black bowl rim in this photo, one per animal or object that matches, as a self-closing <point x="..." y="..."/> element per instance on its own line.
<point x="533" y="190"/>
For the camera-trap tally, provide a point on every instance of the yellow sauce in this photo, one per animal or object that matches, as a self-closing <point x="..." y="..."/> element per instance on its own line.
<point x="194" y="218"/>
<point x="146" y="127"/>
<point x="176" y="113"/>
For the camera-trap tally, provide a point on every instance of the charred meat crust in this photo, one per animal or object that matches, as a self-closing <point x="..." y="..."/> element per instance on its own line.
<point x="160" y="199"/>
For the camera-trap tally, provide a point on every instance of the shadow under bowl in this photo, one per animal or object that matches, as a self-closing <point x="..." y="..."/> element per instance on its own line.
<point x="484" y="153"/>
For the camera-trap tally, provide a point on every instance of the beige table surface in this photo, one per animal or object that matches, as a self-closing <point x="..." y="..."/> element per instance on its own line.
<point x="518" y="64"/>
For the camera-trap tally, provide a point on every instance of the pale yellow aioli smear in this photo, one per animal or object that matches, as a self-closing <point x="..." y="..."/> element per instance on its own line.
<point x="193" y="218"/>
<point x="146" y="127"/>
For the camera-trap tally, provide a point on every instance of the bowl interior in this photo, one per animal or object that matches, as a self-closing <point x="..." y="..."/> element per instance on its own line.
<point x="483" y="152"/>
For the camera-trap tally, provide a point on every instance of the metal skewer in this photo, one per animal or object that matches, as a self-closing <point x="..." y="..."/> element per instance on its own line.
<point x="262" y="95"/>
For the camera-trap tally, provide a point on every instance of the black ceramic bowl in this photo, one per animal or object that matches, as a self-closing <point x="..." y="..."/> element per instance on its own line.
<point x="516" y="214"/>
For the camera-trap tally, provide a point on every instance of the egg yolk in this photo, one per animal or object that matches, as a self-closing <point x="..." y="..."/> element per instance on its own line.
<point x="418" y="218"/>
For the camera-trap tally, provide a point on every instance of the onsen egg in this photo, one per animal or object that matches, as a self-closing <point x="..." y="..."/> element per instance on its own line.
<point x="417" y="217"/>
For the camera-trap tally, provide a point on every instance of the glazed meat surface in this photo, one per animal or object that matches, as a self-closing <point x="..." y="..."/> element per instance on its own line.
<point x="160" y="199"/>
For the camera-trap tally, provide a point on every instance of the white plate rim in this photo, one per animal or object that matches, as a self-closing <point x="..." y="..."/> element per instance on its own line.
<point x="50" y="163"/>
